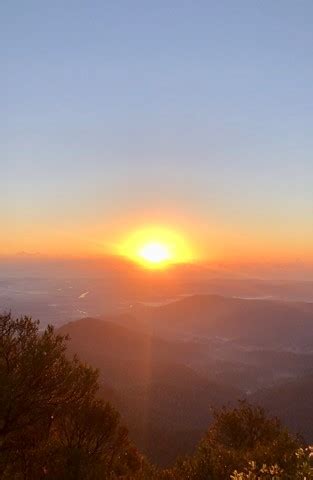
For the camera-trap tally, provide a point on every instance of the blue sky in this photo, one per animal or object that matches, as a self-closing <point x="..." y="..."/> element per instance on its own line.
<point x="203" y="109"/>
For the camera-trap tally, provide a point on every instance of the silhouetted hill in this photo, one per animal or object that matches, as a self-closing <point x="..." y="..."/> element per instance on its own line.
<point x="265" y="323"/>
<point x="165" y="366"/>
<point x="157" y="393"/>
<point x="125" y="356"/>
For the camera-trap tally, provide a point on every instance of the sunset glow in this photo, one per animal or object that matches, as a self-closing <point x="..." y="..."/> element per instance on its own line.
<point x="156" y="247"/>
<point x="157" y="156"/>
<point x="155" y="253"/>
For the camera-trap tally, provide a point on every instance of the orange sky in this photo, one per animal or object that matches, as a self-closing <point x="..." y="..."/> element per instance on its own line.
<point x="205" y="241"/>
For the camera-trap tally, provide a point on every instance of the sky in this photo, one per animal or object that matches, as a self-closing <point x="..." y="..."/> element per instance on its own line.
<point x="196" y="116"/>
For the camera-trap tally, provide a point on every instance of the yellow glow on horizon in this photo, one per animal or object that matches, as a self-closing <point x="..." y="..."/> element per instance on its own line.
<point x="155" y="252"/>
<point x="156" y="247"/>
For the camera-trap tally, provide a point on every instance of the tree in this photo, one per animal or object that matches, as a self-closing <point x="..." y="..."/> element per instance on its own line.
<point x="236" y="437"/>
<point x="90" y="443"/>
<point x="51" y="423"/>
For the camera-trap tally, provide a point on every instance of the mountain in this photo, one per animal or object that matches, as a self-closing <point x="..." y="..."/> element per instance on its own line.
<point x="160" y="397"/>
<point x="263" y="323"/>
<point x="125" y="356"/>
<point x="165" y="366"/>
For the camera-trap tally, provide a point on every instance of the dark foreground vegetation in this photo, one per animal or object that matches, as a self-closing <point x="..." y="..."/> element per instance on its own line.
<point x="55" y="425"/>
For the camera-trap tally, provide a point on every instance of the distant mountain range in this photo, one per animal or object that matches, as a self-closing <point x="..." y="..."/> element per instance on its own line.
<point x="165" y="367"/>
<point x="146" y="377"/>
<point x="258" y="322"/>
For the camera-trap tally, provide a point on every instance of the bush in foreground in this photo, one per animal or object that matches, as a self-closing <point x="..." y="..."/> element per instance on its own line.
<point x="52" y="425"/>
<point x="304" y="469"/>
<point x="235" y="437"/>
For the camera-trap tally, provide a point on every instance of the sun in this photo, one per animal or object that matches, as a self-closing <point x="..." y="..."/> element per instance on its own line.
<point x="156" y="247"/>
<point x="155" y="252"/>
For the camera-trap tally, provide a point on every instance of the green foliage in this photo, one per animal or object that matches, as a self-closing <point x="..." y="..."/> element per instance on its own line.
<point x="254" y="473"/>
<point x="235" y="437"/>
<point x="305" y="463"/>
<point x="52" y="425"/>
<point x="303" y="471"/>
